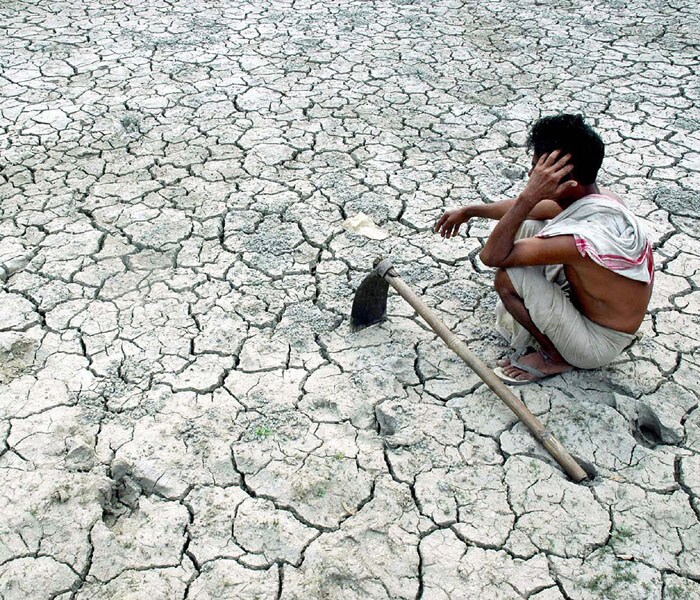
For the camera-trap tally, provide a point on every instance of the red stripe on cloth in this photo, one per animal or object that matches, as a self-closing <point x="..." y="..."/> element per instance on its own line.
<point x="615" y="262"/>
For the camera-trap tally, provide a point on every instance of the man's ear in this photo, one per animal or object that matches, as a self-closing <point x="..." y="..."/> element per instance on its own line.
<point x="568" y="180"/>
<point x="565" y="188"/>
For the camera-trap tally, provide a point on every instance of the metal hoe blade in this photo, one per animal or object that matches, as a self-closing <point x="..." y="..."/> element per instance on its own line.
<point x="369" y="305"/>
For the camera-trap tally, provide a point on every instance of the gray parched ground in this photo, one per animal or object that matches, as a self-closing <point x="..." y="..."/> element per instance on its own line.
<point x="184" y="412"/>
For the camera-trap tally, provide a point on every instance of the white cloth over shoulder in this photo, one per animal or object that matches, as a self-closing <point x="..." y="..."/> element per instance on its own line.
<point x="608" y="233"/>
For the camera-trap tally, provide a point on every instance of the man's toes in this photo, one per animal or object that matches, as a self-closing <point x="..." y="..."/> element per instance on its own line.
<point x="517" y="373"/>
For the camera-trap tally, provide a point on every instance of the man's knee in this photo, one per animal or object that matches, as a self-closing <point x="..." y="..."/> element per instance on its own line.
<point x="503" y="284"/>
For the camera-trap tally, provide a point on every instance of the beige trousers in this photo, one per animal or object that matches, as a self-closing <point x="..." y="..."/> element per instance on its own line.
<point x="581" y="342"/>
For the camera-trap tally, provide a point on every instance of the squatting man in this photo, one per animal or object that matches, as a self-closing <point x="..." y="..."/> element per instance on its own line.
<point x="574" y="268"/>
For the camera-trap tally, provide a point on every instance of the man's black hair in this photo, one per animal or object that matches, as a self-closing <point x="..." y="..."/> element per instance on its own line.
<point x="570" y="134"/>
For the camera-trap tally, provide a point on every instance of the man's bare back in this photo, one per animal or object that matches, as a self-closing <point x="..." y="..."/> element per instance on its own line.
<point x="607" y="298"/>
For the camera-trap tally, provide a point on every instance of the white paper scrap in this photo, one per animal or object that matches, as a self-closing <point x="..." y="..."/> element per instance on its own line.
<point x="363" y="225"/>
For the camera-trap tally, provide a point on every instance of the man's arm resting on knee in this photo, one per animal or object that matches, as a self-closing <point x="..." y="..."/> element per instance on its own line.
<point x="545" y="181"/>
<point x="502" y="250"/>
<point x="559" y="250"/>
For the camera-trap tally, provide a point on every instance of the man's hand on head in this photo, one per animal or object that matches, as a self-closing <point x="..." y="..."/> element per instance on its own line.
<point x="545" y="181"/>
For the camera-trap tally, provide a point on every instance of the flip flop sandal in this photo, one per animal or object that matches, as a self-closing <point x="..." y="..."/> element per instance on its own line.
<point x="537" y="375"/>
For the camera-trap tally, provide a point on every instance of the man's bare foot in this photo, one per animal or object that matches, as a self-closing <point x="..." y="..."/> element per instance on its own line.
<point x="541" y="364"/>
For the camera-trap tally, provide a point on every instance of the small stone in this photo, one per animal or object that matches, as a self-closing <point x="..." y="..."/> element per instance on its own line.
<point x="80" y="455"/>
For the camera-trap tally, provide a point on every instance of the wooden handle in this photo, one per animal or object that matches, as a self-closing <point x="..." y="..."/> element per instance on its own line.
<point x="550" y="443"/>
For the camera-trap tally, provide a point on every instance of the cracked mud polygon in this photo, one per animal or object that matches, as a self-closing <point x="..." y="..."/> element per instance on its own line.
<point x="184" y="412"/>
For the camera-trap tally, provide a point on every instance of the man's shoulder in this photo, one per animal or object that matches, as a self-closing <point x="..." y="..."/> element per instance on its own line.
<point x="594" y="214"/>
<point x="596" y="207"/>
<point x="612" y="195"/>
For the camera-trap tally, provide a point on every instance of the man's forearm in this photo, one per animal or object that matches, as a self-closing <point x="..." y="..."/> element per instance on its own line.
<point x="494" y="210"/>
<point x="502" y="238"/>
<point x="547" y="209"/>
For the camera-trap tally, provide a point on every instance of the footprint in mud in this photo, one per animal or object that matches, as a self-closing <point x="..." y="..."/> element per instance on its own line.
<point x="648" y="430"/>
<point x="645" y="424"/>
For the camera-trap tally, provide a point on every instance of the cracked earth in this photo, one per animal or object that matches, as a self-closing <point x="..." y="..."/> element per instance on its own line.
<point x="184" y="412"/>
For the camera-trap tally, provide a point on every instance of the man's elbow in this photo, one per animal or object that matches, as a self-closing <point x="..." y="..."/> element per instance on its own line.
<point x="488" y="259"/>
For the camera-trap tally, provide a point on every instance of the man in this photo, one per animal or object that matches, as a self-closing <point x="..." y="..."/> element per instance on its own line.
<point x="574" y="289"/>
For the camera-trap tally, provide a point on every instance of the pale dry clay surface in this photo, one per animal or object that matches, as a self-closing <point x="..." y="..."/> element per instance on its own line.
<point x="183" y="410"/>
